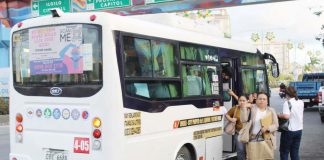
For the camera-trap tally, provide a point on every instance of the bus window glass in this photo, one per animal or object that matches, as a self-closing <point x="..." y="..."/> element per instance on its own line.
<point x="207" y="54"/>
<point x="260" y="81"/>
<point x="164" y="61"/>
<point x="60" y="55"/>
<point x="138" y="59"/>
<point x="192" y="80"/>
<point x="153" y="90"/>
<point x="252" y="60"/>
<point x="210" y="80"/>
<point x="248" y="81"/>
<point x="199" y="80"/>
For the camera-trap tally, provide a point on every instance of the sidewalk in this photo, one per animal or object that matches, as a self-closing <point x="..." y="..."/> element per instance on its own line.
<point x="4" y="120"/>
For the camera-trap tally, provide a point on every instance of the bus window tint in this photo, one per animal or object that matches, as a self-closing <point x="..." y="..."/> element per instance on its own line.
<point x="252" y="60"/>
<point x="190" y="52"/>
<point x="138" y="59"/>
<point x="248" y="81"/>
<point x="192" y="80"/>
<point x="253" y="81"/>
<point x="260" y="81"/>
<point x="153" y="90"/>
<point x="164" y="63"/>
<point x="199" y="80"/>
<point x="210" y="80"/>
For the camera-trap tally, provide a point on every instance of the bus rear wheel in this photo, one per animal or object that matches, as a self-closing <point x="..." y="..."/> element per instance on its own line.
<point x="184" y="154"/>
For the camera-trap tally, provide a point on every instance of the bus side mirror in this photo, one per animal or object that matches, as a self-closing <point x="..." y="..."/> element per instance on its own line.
<point x="275" y="70"/>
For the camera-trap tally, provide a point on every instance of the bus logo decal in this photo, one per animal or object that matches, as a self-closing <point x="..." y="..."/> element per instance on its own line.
<point x="66" y="113"/>
<point x="56" y="91"/>
<point x="56" y="113"/>
<point x="75" y="114"/>
<point x="39" y="113"/>
<point x="47" y="113"/>
<point x="30" y="112"/>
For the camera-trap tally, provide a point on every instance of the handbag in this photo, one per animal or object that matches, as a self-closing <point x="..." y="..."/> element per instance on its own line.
<point x="259" y="149"/>
<point x="284" y="123"/>
<point x="230" y="126"/>
<point x="244" y="133"/>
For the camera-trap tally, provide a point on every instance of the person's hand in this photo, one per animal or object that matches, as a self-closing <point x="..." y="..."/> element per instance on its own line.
<point x="248" y="105"/>
<point x="264" y="129"/>
<point x="230" y="92"/>
<point x="233" y="119"/>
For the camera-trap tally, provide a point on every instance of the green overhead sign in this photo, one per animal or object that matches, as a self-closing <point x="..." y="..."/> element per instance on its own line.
<point x="107" y="4"/>
<point x="42" y="7"/>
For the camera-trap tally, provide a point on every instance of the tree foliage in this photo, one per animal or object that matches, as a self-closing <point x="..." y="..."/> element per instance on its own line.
<point x="4" y="106"/>
<point x="315" y="60"/>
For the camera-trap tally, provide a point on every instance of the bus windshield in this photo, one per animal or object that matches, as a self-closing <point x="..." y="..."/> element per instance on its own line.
<point x="60" y="55"/>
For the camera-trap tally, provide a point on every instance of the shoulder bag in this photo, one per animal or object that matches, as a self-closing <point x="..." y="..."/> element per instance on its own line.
<point x="284" y="123"/>
<point x="244" y="133"/>
<point x="259" y="149"/>
<point x="230" y="126"/>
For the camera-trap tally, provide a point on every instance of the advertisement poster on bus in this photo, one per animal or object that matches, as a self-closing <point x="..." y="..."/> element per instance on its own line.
<point x="4" y="80"/>
<point x="56" y="50"/>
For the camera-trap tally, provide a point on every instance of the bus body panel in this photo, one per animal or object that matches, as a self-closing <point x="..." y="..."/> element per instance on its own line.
<point x="126" y="133"/>
<point x="159" y="135"/>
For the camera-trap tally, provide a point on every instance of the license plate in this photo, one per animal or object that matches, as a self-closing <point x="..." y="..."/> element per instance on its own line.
<point x="306" y="100"/>
<point x="52" y="154"/>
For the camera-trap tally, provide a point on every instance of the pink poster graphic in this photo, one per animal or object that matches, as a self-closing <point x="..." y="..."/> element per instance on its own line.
<point x="56" y="50"/>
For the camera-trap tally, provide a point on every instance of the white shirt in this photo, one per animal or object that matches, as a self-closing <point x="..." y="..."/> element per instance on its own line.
<point x="296" y="114"/>
<point x="257" y="123"/>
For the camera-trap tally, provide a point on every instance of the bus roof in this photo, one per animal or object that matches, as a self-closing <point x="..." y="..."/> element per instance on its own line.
<point x="144" y="27"/>
<point x="136" y="26"/>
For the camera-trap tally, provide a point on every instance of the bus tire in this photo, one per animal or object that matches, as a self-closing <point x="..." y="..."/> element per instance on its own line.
<point x="322" y="119"/>
<point x="184" y="154"/>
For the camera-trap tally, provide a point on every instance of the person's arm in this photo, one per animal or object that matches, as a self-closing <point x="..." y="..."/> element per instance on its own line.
<point x="230" y="114"/>
<point x="286" y="112"/>
<point x="231" y="93"/>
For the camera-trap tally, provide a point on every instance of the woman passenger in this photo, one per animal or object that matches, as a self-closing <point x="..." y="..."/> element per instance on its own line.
<point x="240" y="146"/>
<point x="261" y="111"/>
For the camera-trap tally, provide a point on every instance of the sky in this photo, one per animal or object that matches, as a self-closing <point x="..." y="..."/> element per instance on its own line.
<point x="291" y="20"/>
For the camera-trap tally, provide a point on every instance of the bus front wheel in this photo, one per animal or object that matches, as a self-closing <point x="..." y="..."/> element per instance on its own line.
<point x="184" y="154"/>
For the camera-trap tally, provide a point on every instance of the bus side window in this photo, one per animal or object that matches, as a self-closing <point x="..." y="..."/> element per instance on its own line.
<point x="226" y="80"/>
<point x="192" y="85"/>
<point x="137" y="57"/>
<point x="164" y="61"/>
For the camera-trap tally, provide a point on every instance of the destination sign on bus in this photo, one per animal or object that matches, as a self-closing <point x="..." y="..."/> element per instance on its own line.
<point x="107" y="4"/>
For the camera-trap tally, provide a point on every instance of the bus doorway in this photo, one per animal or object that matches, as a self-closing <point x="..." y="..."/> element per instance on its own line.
<point x="228" y="79"/>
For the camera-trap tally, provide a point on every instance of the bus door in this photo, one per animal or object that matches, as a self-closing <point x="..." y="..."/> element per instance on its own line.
<point x="228" y="76"/>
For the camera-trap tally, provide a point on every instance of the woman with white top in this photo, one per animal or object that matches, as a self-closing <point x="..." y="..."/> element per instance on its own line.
<point x="261" y="111"/>
<point x="290" y="140"/>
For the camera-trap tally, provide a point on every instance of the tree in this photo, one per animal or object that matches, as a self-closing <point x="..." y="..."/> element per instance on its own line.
<point x="314" y="61"/>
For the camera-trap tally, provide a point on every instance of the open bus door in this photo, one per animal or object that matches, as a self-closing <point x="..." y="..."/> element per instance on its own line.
<point x="228" y="79"/>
